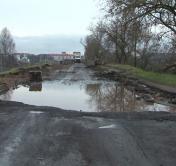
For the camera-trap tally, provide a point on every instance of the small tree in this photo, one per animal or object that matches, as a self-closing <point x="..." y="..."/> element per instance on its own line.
<point x="7" y="44"/>
<point x="7" y="48"/>
<point x="95" y="47"/>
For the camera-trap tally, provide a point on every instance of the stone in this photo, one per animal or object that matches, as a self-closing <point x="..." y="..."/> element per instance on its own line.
<point x="148" y="98"/>
<point x="172" y="101"/>
<point x="35" y="76"/>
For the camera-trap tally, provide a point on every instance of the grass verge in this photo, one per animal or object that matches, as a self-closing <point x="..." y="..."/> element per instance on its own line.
<point x="15" y="71"/>
<point x="160" y="78"/>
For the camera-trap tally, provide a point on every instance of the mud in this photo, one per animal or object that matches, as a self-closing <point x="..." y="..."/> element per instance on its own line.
<point x="78" y="88"/>
<point x="150" y="92"/>
<point x="48" y="136"/>
<point x="37" y="136"/>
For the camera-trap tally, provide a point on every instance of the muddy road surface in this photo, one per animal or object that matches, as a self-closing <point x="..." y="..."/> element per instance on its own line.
<point x="79" y="88"/>
<point x="48" y="136"/>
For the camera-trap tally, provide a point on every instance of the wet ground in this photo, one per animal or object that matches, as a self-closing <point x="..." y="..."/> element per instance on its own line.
<point x="47" y="136"/>
<point x="77" y="88"/>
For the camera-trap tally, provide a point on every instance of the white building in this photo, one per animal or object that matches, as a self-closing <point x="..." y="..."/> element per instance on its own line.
<point x="22" y="57"/>
<point x="58" y="57"/>
<point x="67" y="57"/>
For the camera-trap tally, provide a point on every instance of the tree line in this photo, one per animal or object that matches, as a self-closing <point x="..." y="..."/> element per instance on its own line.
<point x="141" y="33"/>
<point x="7" y="49"/>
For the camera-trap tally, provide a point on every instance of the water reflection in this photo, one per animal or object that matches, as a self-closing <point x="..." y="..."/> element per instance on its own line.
<point x="113" y="98"/>
<point x="35" y="87"/>
<point x="95" y="96"/>
<point x="7" y="96"/>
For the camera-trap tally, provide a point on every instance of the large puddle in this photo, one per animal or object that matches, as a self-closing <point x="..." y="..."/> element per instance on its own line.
<point x="93" y="96"/>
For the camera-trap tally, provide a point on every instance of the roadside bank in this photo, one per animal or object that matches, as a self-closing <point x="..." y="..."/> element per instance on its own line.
<point x="145" y="83"/>
<point x="20" y="76"/>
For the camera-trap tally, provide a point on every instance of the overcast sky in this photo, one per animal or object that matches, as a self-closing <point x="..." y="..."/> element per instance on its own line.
<point x="47" y="17"/>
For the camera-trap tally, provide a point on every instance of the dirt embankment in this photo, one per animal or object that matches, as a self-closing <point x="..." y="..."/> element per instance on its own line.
<point x="20" y="76"/>
<point x="14" y="77"/>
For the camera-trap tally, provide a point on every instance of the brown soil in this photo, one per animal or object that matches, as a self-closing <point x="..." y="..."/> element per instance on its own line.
<point x="22" y="77"/>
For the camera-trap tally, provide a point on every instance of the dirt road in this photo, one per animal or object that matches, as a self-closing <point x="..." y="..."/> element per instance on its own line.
<point x="46" y="136"/>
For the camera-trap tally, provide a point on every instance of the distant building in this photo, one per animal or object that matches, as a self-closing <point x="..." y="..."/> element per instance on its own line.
<point x="58" y="57"/>
<point x="63" y="57"/>
<point x="22" y="57"/>
<point x="68" y="56"/>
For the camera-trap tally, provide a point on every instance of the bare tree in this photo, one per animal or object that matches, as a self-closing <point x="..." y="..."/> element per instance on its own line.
<point x="7" y="44"/>
<point x="7" y="48"/>
<point x="161" y="12"/>
<point x="138" y="32"/>
<point x="95" y="45"/>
